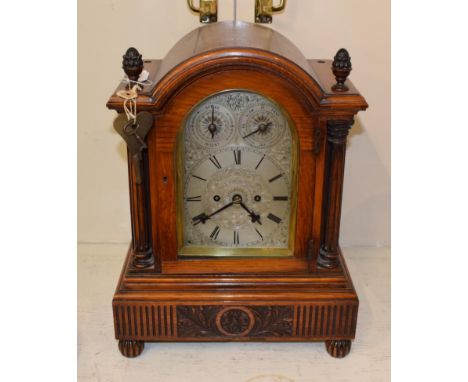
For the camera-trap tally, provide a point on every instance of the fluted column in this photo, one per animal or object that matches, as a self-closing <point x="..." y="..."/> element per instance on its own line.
<point x="140" y="209"/>
<point x="337" y="132"/>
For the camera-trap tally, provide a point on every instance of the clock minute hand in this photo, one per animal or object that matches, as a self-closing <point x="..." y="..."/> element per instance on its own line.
<point x="261" y="128"/>
<point x="252" y="133"/>
<point x="221" y="209"/>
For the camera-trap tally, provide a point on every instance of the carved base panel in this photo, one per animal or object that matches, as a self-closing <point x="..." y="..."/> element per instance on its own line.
<point x="247" y="322"/>
<point x="320" y="306"/>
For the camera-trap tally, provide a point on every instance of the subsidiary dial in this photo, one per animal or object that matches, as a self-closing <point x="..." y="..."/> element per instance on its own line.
<point x="262" y="125"/>
<point x="211" y="126"/>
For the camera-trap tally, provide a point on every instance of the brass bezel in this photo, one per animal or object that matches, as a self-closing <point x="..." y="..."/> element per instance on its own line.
<point x="187" y="252"/>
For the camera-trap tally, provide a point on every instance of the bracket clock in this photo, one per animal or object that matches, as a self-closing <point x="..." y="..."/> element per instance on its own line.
<point x="235" y="160"/>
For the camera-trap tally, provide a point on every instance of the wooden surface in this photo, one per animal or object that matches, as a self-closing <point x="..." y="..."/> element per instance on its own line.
<point x="209" y="60"/>
<point x="239" y="45"/>
<point x="232" y="35"/>
<point x="239" y="55"/>
<point x="162" y="146"/>
<point x="99" y="358"/>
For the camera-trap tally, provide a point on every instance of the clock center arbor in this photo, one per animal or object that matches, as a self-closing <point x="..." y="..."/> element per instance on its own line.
<point x="236" y="163"/>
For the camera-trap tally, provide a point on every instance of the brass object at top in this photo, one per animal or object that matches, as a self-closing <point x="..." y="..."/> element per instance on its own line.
<point x="264" y="10"/>
<point x="208" y="10"/>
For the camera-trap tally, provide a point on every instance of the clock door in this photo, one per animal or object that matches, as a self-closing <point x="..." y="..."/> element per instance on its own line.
<point x="236" y="176"/>
<point x="237" y="186"/>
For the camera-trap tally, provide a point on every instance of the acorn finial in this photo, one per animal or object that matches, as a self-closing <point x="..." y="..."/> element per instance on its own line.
<point x="341" y="68"/>
<point x="132" y="64"/>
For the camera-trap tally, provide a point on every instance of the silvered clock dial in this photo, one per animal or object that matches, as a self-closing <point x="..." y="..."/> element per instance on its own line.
<point x="238" y="182"/>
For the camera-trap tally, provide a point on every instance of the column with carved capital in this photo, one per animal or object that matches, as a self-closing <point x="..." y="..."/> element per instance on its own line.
<point x="337" y="132"/>
<point x="143" y="257"/>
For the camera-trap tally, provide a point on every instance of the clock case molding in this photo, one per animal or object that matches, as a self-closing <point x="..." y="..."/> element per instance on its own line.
<point x="305" y="297"/>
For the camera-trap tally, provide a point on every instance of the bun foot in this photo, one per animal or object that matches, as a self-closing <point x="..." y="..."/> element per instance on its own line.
<point x="338" y="348"/>
<point x="131" y="348"/>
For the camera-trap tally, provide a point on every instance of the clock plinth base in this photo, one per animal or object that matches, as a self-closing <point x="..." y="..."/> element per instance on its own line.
<point x="317" y="306"/>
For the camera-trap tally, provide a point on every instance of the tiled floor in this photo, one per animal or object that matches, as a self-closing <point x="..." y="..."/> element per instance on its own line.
<point x="99" y="359"/>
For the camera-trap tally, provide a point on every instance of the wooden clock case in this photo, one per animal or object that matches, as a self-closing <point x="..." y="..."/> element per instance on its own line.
<point x="305" y="297"/>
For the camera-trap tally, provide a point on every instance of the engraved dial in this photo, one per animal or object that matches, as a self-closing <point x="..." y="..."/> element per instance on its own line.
<point x="262" y="125"/>
<point x="211" y="125"/>
<point x="238" y="179"/>
<point x="237" y="197"/>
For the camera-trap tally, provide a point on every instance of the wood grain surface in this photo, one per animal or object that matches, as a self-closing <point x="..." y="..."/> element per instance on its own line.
<point x="99" y="359"/>
<point x="308" y="296"/>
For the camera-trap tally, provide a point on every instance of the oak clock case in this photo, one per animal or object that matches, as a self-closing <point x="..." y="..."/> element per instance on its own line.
<point x="236" y="169"/>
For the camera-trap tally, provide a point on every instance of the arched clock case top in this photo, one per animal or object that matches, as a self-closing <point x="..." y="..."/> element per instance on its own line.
<point x="305" y="296"/>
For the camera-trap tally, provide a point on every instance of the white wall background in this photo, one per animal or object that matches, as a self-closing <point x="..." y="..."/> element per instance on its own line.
<point x="106" y="28"/>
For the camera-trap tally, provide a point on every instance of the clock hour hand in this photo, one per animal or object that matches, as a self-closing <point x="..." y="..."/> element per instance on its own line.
<point x="202" y="218"/>
<point x="260" y="129"/>
<point x="255" y="217"/>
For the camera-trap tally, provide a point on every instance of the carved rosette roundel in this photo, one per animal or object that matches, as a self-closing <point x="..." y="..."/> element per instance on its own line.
<point x="235" y="321"/>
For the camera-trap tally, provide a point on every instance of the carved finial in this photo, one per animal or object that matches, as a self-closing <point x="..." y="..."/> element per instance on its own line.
<point x="341" y="69"/>
<point x="132" y="64"/>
